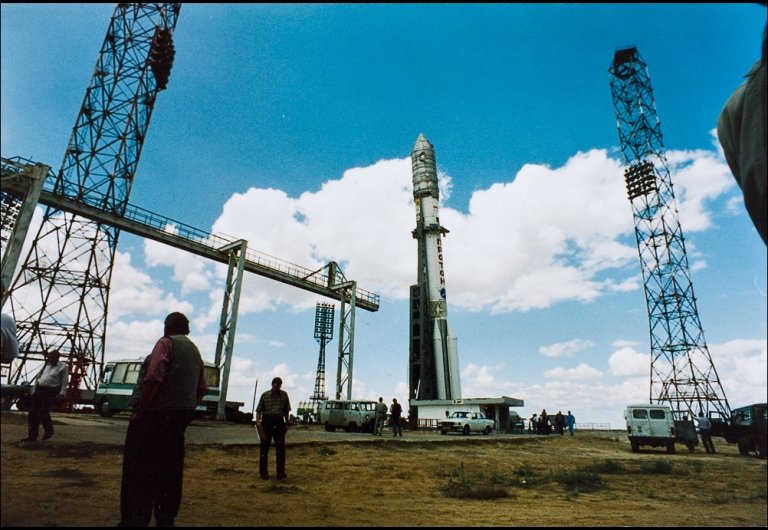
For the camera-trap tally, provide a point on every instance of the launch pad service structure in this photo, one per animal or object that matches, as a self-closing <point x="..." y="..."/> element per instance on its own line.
<point x="433" y="379"/>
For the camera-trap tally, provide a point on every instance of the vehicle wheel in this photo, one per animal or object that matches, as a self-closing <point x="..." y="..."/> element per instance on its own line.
<point x="104" y="409"/>
<point x="443" y="431"/>
<point x="671" y="448"/>
<point x="743" y="448"/>
<point x="466" y="429"/>
<point x="635" y="445"/>
<point x="330" y="428"/>
<point x="487" y="430"/>
<point x="690" y="446"/>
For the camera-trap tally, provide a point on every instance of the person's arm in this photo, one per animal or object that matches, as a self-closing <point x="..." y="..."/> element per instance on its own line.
<point x="63" y="382"/>
<point x="287" y="410"/>
<point x="259" y="410"/>
<point x="202" y="387"/>
<point x="156" y="370"/>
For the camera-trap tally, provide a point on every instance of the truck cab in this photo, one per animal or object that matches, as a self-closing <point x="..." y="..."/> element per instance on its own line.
<point x="745" y="427"/>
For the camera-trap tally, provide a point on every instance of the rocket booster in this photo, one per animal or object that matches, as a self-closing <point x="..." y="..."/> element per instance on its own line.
<point x="428" y="233"/>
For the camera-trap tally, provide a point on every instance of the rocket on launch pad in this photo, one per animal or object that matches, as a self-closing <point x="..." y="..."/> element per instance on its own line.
<point x="434" y="357"/>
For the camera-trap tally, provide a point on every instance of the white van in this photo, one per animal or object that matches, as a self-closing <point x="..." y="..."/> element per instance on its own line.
<point x="350" y="415"/>
<point x="650" y="425"/>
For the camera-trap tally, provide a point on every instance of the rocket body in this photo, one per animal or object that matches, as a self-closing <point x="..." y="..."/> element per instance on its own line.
<point x="431" y="272"/>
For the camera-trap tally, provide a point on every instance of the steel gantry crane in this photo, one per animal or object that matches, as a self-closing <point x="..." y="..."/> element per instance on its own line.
<point x="66" y="275"/>
<point x="682" y="371"/>
<point x="62" y="289"/>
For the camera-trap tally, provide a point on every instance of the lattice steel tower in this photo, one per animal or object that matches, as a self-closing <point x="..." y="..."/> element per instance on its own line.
<point x="323" y="334"/>
<point x="60" y="295"/>
<point x="682" y="371"/>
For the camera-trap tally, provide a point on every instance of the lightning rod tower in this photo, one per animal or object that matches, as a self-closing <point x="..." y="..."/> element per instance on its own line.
<point x="323" y="334"/>
<point x="682" y="371"/>
<point x="60" y="296"/>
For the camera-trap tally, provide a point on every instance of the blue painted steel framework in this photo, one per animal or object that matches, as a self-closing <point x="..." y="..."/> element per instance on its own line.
<point x="66" y="276"/>
<point x="682" y="371"/>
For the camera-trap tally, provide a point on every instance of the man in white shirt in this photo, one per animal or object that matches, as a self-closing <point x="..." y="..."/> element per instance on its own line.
<point x="51" y="386"/>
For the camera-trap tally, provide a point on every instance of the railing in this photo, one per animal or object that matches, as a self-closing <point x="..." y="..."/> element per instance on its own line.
<point x="365" y="299"/>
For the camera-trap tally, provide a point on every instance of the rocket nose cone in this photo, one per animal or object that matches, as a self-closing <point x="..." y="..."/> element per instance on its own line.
<point x="421" y="143"/>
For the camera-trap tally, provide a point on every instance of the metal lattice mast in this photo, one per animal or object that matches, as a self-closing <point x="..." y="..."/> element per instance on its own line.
<point x="60" y="296"/>
<point x="682" y="371"/>
<point x="323" y="334"/>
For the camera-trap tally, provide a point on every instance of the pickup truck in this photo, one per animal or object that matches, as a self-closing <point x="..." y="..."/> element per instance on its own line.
<point x="466" y="422"/>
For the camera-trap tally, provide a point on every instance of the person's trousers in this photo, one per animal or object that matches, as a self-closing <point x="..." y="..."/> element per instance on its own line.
<point x="153" y="468"/>
<point x="706" y="441"/>
<point x="274" y="430"/>
<point x="40" y="411"/>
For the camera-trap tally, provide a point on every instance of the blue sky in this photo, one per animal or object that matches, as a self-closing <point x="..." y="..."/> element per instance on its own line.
<point x="291" y="126"/>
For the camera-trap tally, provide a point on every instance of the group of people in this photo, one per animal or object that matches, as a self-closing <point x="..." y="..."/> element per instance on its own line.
<point x="396" y="412"/>
<point x="544" y="423"/>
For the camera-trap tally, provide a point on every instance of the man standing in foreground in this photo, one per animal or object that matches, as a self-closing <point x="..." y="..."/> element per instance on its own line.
<point x="170" y="385"/>
<point x="272" y="416"/>
<point x="51" y="386"/>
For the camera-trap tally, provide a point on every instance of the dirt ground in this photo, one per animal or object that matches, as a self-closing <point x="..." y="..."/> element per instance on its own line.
<point x="421" y="479"/>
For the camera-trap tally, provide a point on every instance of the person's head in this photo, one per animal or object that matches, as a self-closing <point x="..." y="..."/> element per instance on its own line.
<point x="381" y="399"/>
<point x="394" y="400"/>
<point x="176" y="324"/>
<point x="52" y="356"/>
<point x="701" y="414"/>
<point x="277" y="383"/>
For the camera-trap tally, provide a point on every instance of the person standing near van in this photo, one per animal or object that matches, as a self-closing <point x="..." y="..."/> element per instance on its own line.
<point x="272" y="415"/>
<point x="170" y="385"/>
<point x="705" y="431"/>
<point x="381" y="417"/>
<point x="396" y="411"/>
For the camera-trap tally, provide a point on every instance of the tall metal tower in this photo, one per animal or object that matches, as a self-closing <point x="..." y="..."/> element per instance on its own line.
<point x="61" y="293"/>
<point x="682" y="371"/>
<point x="323" y="334"/>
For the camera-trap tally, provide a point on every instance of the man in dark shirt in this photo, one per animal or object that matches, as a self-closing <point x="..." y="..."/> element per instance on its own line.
<point x="170" y="385"/>
<point x="272" y="420"/>
<point x="396" y="410"/>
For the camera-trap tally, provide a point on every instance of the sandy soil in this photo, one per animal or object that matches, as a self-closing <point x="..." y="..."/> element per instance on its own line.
<point x="422" y="479"/>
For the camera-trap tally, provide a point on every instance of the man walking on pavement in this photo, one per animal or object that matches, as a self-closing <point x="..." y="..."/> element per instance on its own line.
<point x="51" y="387"/>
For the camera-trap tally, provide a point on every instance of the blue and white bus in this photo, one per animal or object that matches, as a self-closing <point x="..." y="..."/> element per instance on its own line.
<point x="113" y="393"/>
